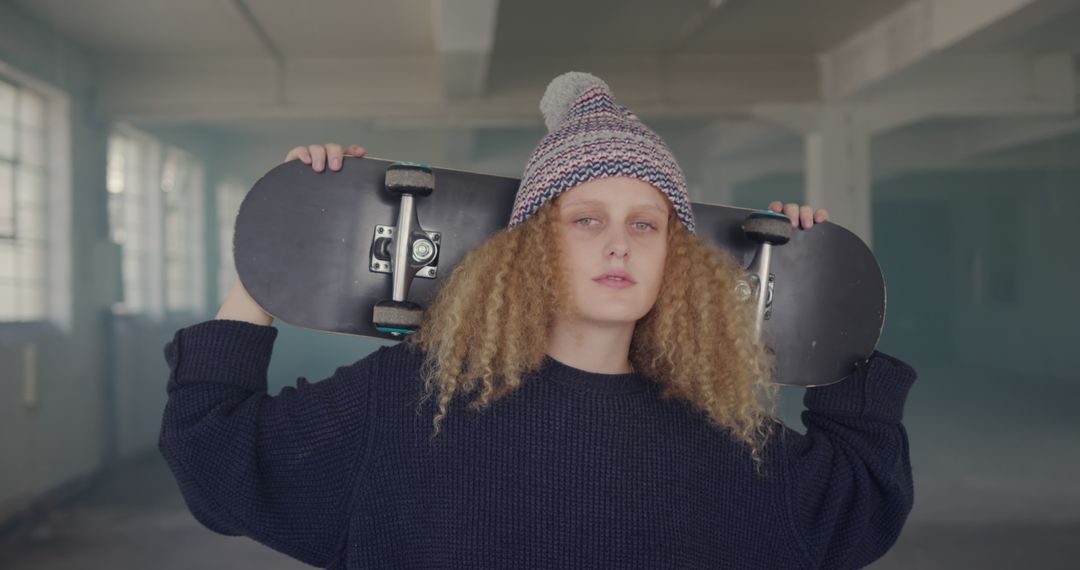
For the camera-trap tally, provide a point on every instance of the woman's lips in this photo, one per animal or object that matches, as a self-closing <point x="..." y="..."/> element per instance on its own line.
<point x="615" y="280"/>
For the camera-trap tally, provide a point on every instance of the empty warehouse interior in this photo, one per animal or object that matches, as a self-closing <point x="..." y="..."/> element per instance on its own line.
<point x="944" y="133"/>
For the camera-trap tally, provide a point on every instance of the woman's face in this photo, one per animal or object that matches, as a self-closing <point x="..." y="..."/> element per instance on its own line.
<point x="614" y="237"/>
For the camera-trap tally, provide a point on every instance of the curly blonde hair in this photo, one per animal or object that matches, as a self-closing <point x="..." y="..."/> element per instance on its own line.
<point x="696" y="342"/>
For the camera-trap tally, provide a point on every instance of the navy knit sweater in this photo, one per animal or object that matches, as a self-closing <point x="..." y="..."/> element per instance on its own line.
<point x="575" y="469"/>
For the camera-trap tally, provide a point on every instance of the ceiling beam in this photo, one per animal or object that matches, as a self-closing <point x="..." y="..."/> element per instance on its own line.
<point x="950" y="86"/>
<point x="268" y="44"/>
<point x="736" y="138"/>
<point x="984" y="139"/>
<point x="980" y="142"/>
<point x="976" y="86"/>
<point x="919" y="30"/>
<point x="411" y="88"/>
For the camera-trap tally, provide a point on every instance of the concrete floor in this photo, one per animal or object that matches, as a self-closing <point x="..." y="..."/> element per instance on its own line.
<point x="135" y="518"/>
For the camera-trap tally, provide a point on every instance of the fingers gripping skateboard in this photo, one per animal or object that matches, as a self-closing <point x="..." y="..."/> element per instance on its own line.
<point x="405" y="251"/>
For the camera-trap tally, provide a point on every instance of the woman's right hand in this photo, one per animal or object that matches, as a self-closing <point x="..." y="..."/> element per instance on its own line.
<point x="318" y="156"/>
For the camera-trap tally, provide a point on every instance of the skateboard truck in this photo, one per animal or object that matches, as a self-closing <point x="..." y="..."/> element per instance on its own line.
<point x="414" y="252"/>
<point x="767" y="229"/>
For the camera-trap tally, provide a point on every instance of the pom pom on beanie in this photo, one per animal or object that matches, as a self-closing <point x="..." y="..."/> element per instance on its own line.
<point x="562" y="92"/>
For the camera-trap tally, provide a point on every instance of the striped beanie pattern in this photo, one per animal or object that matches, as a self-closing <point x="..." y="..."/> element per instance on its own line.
<point x="590" y="136"/>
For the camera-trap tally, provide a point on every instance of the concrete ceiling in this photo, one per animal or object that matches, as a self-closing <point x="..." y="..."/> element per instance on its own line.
<point x="487" y="57"/>
<point x="731" y="27"/>
<point x="482" y="64"/>
<point x="154" y="28"/>
<point x="315" y="28"/>
<point x="343" y="28"/>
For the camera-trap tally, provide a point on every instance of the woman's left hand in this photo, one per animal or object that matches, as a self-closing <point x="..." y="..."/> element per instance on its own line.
<point x="804" y="214"/>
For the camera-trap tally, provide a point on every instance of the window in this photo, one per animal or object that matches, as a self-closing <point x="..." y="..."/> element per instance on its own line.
<point x="155" y="215"/>
<point x="182" y="190"/>
<point x="24" y="243"/>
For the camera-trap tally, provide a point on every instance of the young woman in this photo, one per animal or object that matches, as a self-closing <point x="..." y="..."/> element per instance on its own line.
<point x="584" y="392"/>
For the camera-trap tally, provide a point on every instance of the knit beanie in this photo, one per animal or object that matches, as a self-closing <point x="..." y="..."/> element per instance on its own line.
<point x="590" y="136"/>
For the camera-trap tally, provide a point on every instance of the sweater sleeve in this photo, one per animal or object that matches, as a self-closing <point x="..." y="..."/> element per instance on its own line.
<point x="849" y="476"/>
<point x="279" y="469"/>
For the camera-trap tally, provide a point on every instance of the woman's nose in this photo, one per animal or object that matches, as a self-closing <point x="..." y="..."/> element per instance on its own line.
<point x="618" y="246"/>
<point x="618" y="252"/>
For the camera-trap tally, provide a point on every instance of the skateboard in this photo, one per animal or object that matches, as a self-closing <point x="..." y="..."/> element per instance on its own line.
<point x="323" y="251"/>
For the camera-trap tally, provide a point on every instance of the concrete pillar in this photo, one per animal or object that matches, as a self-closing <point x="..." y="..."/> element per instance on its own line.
<point x="838" y="170"/>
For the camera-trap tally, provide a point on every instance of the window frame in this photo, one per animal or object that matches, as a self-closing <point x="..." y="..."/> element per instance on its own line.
<point x="153" y="280"/>
<point x="56" y="317"/>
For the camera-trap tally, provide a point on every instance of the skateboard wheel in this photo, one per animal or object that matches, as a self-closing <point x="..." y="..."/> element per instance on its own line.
<point x="398" y="318"/>
<point x="409" y="178"/>
<point x="768" y="227"/>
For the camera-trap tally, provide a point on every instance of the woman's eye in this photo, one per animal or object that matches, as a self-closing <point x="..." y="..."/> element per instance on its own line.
<point x="582" y="221"/>
<point x="644" y="226"/>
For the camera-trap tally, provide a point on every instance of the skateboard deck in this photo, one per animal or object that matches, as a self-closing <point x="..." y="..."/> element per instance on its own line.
<point x="317" y="250"/>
